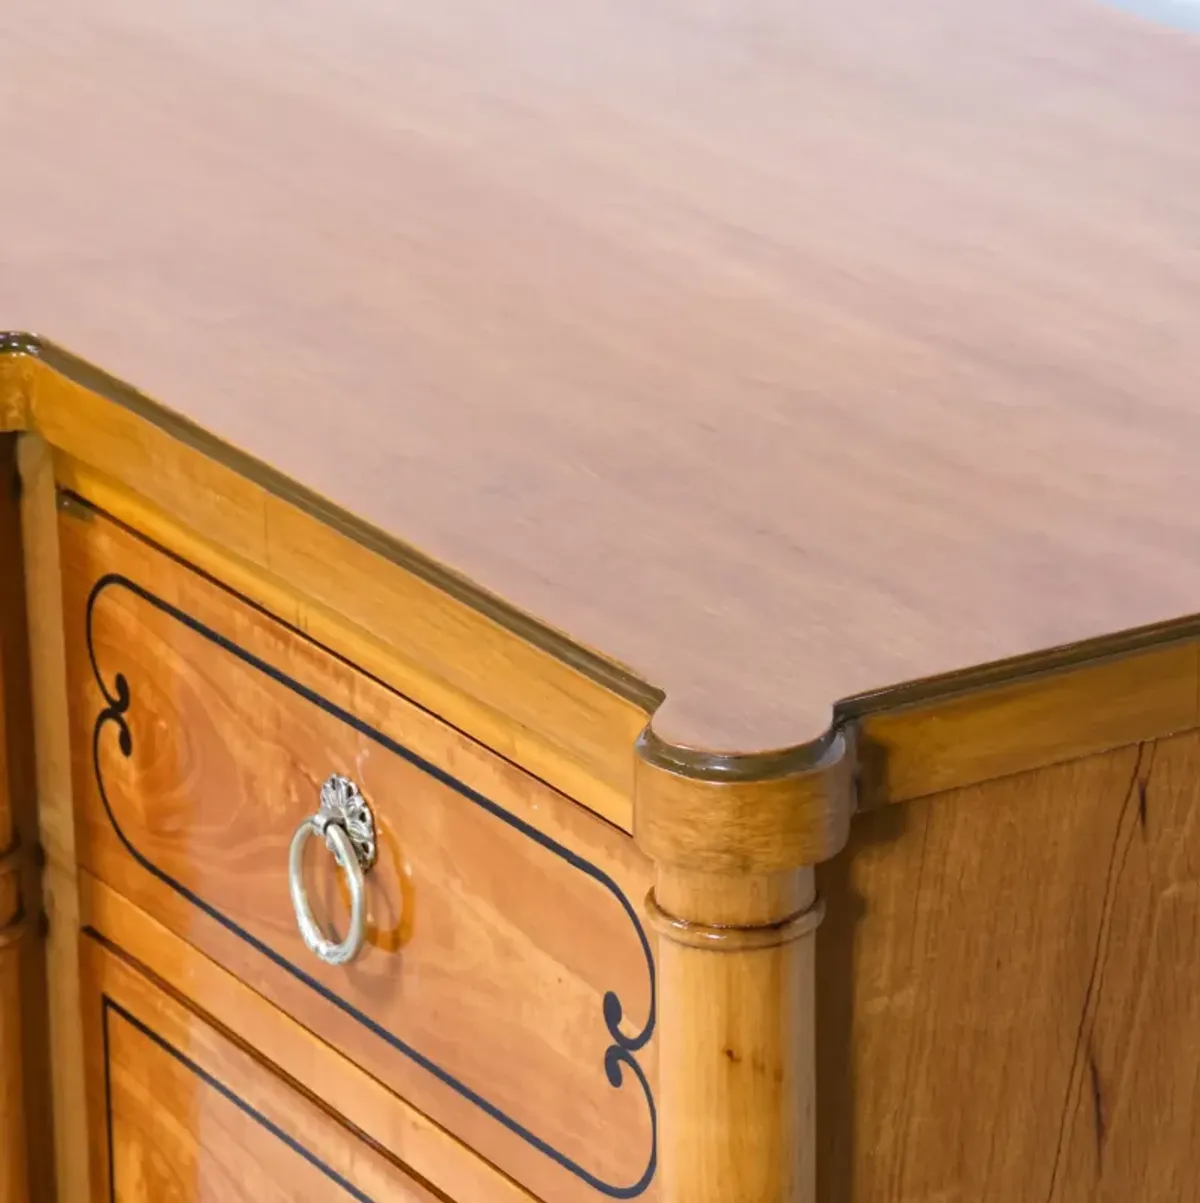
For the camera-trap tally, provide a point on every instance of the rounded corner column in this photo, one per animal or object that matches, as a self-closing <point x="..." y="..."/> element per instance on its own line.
<point x="736" y="1040"/>
<point x="736" y="912"/>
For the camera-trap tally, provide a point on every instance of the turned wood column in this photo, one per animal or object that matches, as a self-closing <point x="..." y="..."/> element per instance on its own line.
<point x="736" y="1040"/>
<point x="736" y="913"/>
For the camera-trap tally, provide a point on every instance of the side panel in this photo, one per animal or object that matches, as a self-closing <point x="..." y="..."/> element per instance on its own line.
<point x="1009" y="990"/>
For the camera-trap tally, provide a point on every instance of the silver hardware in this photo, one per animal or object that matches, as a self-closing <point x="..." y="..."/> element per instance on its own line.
<point x="348" y="827"/>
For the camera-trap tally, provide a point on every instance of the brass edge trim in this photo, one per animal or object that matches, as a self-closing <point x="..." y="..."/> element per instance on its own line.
<point x="720" y="937"/>
<point x="603" y="671"/>
<point x="12" y="932"/>
<point x="817" y="755"/>
<point x="1027" y="667"/>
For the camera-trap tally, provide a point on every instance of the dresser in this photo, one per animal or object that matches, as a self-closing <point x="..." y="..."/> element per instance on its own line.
<point x="599" y="601"/>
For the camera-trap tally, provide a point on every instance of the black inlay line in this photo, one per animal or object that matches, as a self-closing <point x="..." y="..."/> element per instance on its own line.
<point x="618" y="1057"/>
<point x="109" y="1005"/>
<point x="108" y="1115"/>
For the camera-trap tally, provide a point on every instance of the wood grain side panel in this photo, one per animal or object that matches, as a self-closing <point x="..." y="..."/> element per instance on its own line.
<point x="1007" y="985"/>
<point x="505" y="949"/>
<point x="180" y="1112"/>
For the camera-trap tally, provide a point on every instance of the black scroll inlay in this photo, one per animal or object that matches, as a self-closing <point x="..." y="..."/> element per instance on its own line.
<point x="108" y="1006"/>
<point x="619" y="1056"/>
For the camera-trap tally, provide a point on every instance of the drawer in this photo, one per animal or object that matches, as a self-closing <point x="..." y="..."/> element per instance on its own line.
<point x="179" y="1112"/>
<point x="506" y="983"/>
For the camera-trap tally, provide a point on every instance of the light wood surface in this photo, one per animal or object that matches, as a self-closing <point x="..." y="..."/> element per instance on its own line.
<point x="571" y="722"/>
<point x="995" y="730"/>
<point x="506" y="963"/>
<point x="179" y="1112"/>
<point x="1008" y="984"/>
<point x="55" y="812"/>
<point x="780" y="352"/>
<point x="16" y="686"/>
<point x="797" y="814"/>
<point x="360" y="1099"/>
<point x="14" y="926"/>
<point x="737" y="1049"/>
<point x="570" y="717"/>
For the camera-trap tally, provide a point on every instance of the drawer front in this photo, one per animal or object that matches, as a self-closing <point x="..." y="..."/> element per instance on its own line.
<point x="179" y="1112"/>
<point x="506" y="985"/>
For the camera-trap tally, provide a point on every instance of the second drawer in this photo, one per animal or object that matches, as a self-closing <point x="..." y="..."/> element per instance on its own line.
<point x="506" y="982"/>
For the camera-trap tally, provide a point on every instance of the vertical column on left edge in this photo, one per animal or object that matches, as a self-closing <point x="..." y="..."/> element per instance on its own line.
<point x="735" y="907"/>
<point x="63" y="1149"/>
<point x="14" y="921"/>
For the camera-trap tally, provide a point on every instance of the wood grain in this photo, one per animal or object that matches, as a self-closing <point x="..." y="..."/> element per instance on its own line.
<point x="55" y="813"/>
<point x="186" y="1114"/>
<point x="1007" y="986"/>
<point x="533" y="708"/>
<point x="798" y="814"/>
<point x="315" y="1066"/>
<point x="1008" y="727"/>
<point x="737" y="1050"/>
<point x="780" y="352"/>
<point x="14" y="964"/>
<point x="573" y="728"/>
<point x="15" y="371"/>
<point x="498" y="930"/>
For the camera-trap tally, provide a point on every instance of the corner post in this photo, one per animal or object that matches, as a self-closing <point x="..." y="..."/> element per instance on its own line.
<point x="14" y="919"/>
<point x="736" y="912"/>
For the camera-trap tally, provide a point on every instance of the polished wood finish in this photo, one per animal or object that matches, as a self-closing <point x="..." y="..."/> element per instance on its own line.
<point x="55" y="813"/>
<point x="794" y="812"/>
<point x="736" y="1053"/>
<point x="789" y="410"/>
<point x="503" y="920"/>
<point x="932" y="746"/>
<point x="14" y="1177"/>
<point x="179" y="1111"/>
<point x="1008" y="984"/>
<point x="14" y="915"/>
<point x="568" y="715"/>
<point x="774" y="350"/>
<point x="565" y="726"/>
<point x="316" y="1066"/>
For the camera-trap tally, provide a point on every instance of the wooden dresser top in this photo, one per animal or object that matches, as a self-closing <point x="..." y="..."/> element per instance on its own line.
<point x="782" y="352"/>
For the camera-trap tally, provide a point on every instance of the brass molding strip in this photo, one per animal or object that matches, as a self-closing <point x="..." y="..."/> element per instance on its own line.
<point x="718" y="937"/>
<point x="734" y="766"/>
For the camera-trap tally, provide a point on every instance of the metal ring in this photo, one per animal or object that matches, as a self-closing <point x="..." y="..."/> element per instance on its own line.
<point x="346" y="822"/>
<point x="338" y="842"/>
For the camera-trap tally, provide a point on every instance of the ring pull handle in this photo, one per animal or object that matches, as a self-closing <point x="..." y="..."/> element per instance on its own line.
<point x="348" y="827"/>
